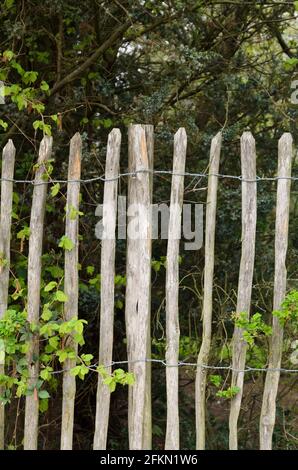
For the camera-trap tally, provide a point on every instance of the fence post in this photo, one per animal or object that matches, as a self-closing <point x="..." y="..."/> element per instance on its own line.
<point x="249" y="219"/>
<point x="137" y="305"/>
<point x="71" y="284"/>
<point x="147" y="437"/>
<point x="8" y="159"/>
<point x="267" y="420"/>
<point x="172" y="290"/>
<point x="107" y="302"/>
<point x="34" y="274"/>
<point x="208" y="288"/>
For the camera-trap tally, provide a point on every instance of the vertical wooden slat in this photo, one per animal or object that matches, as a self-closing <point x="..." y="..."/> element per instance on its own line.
<point x="147" y="436"/>
<point x="172" y="290"/>
<point x="249" y="219"/>
<point x="7" y="172"/>
<point x="268" y="411"/>
<point x="108" y="245"/>
<point x="208" y="288"/>
<point x="71" y="285"/>
<point x="33" y="304"/>
<point x="137" y="306"/>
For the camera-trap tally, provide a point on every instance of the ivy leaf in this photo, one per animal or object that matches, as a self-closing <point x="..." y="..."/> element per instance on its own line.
<point x="62" y="355"/>
<point x="44" y="86"/>
<point x="50" y="286"/>
<point x="43" y="394"/>
<point x="55" y="189"/>
<point x="61" y="296"/>
<point x="3" y="124"/>
<point x="90" y="270"/>
<point x="46" y="313"/>
<point x="66" y="243"/>
<point x="43" y="405"/>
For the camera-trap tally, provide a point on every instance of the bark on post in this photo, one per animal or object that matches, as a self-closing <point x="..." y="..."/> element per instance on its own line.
<point x="137" y="306"/>
<point x="8" y="160"/>
<point x="268" y="410"/>
<point x="147" y="437"/>
<point x="107" y="302"/>
<point x="249" y="219"/>
<point x="34" y="275"/>
<point x="71" y="284"/>
<point x="208" y="289"/>
<point x="172" y="290"/>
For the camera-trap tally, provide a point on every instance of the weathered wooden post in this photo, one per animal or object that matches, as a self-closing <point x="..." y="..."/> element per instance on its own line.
<point x="208" y="289"/>
<point x="71" y="284"/>
<point x="267" y="421"/>
<point x="138" y="276"/>
<point x="34" y="279"/>
<point x="249" y="220"/>
<point x="107" y="303"/>
<point x="7" y="172"/>
<point x="172" y="290"/>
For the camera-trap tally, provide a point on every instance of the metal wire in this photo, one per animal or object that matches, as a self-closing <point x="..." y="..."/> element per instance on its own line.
<point x="154" y="172"/>
<point x="164" y="363"/>
<point x="171" y="173"/>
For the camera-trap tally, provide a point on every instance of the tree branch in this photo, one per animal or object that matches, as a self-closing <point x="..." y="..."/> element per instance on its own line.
<point x="96" y="54"/>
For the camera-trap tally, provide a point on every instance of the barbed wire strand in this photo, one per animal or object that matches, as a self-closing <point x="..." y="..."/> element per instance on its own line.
<point x="163" y="362"/>
<point x="154" y="172"/>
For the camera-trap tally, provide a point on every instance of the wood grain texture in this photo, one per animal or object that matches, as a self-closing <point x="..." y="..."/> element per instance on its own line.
<point x="249" y="220"/>
<point x="107" y="303"/>
<point x="172" y="291"/>
<point x="7" y="172"/>
<point x="34" y="279"/>
<point x="147" y="433"/>
<point x="138" y="276"/>
<point x="268" y="411"/>
<point x="208" y="289"/>
<point x="71" y="285"/>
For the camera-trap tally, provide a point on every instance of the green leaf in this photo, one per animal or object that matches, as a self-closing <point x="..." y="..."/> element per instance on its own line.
<point x="73" y="213"/>
<point x="55" y="271"/>
<point x="29" y="77"/>
<point x="24" y="233"/>
<point x="45" y="374"/>
<point x="44" y="86"/>
<point x="107" y="123"/>
<point x="61" y="296"/>
<point x="55" y="189"/>
<point x="3" y="124"/>
<point x="46" y="314"/>
<point x="50" y="286"/>
<point x="53" y="341"/>
<point x="90" y="270"/>
<point x="87" y="358"/>
<point x="8" y="55"/>
<point x="43" y="394"/>
<point x="62" y="355"/>
<point x="43" y="405"/>
<point x="66" y="243"/>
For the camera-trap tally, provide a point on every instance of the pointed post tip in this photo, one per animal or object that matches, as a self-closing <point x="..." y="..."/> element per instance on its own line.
<point x="9" y="146"/>
<point x="286" y="136"/>
<point x="115" y="131"/>
<point x="217" y="136"/>
<point x="247" y="135"/>
<point x="76" y="138"/>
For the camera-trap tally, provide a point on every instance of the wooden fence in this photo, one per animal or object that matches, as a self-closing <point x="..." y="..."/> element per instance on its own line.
<point x="138" y="284"/>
